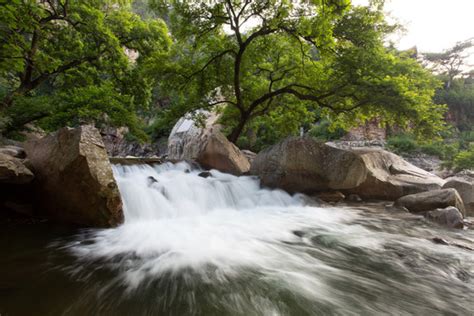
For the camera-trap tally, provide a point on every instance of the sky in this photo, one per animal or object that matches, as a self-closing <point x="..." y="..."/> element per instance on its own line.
<point x="431" y="25"/>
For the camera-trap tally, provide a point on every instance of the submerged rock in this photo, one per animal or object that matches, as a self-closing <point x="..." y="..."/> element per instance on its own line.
<point x="151" y="180"/>
<point x="205" y="174"/>
<point x="74" y="179"/>
<point x="206" y="145"/>
<point x="449" y="216"/>
<point x="442" y="241"/>
<point x="427" y="201"/>
<point x="465" y="188"/>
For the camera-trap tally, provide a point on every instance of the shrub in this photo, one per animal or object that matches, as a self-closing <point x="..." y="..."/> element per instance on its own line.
<point x="402" y="143"/>
<point x="433" y="149"/>
<point x="323" y="131"/>
<point x="464" y="159"/>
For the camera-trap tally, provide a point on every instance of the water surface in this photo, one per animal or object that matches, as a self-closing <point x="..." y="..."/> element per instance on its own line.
<point x="224" y="246"/>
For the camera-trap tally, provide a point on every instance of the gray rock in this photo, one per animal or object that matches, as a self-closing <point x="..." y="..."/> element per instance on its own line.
<point x="427" y="201"/>
<point x="465" y="188"/>
<point x="14" y="151"/>
<point x="302" y="164"/>
<point x="74" y="179"/>
<point x="353" y="198"/>
<point x="450" y="217"/>
<point x="249" y="154"/>
<point x="13" y="171"/>
<point x="390" y="177"/>
<point x="331" y="196"/>
<point x="205" y="145"/>
<point x="205" y="174"/>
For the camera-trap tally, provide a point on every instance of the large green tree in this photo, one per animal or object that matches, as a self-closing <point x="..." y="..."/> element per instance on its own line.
<point x="69" y="62"/>
<point x="292" y="59"/>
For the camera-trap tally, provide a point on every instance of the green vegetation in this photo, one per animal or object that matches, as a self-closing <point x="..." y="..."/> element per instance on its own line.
<point x="269" y="67"/>
<point x="464" y="159"/>
<point x="65" y="63"/>
<point x="456" y="151"/>
<point x="323" y="56"/>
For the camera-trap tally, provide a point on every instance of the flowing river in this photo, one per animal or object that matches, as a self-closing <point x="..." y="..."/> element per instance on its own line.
<point x="222" y="245"/>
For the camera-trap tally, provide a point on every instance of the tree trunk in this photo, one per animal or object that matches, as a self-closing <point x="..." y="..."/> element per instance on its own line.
<point x="234" y="135"/>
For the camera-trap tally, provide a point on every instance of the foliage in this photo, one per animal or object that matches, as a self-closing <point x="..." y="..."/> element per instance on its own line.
<point x="457" y="153"/>
<point x="65" y="62"/>
<point x="460" y="100"/>
<point x="312" y="56"/>
<point x="407" y="144"/>
<point x="464" y="160"/>
<point x="325" y="131"/>
<point x="450" y="62"/>
<point x="402" y="143"/>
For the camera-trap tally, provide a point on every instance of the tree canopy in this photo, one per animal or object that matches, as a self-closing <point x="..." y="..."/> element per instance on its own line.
<point x="69" y="62"/>
<point x="295" y="61"/>
<point x="269" y="66"/>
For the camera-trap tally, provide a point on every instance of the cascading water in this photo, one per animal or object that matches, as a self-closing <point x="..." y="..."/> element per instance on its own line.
<point x="222" y="245"/>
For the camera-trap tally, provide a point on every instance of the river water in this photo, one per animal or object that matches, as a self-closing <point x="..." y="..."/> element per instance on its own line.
<point x="224" y="246"/>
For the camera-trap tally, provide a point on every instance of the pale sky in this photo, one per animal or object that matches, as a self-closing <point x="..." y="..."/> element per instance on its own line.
<point x="431" y="25"/>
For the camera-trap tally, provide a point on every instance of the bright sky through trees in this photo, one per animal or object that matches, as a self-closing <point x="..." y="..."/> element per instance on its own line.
<point x="431" y="25"/>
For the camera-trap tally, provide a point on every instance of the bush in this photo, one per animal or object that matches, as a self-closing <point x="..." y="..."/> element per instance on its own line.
<point x="433" y="149"/>
<point x="402" y="143"/>
<point x="407" y="144"/>
<point x="464" y="159"/>
<point x="323" y="131"/>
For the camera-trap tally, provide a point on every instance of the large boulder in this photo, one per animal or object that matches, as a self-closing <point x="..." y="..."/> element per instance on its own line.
<point x="431" y="200"/>
<point x="465" y="188"/>
<point x="14" y="171"/>
<point x="74" y="179"/>
<point x="301" y="164"/>
<point x="389" y="176"/>
<point x="206" y="145"/>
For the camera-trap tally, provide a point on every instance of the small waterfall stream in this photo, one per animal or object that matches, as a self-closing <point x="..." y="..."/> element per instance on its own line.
<point x="222" y="245"/>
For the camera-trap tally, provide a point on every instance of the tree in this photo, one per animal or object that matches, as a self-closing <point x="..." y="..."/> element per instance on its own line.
<point x="55" y="53"/>
<point x="449" y="63"/>
<point x="460" y="100"/>
<point x="259" y="57"/>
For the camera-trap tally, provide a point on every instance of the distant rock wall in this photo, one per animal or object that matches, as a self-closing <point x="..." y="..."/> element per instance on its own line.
<point x="370" y="130"/>
<point x="117" y="145"/>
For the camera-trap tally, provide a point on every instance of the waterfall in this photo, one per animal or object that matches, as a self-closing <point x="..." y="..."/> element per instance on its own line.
<point x="214" y="243"/>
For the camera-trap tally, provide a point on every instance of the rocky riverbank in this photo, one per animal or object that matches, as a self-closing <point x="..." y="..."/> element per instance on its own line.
<point x="67" y="176"/>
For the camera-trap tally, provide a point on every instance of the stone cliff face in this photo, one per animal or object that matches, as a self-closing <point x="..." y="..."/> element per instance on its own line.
<point x="370" y="130"/>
